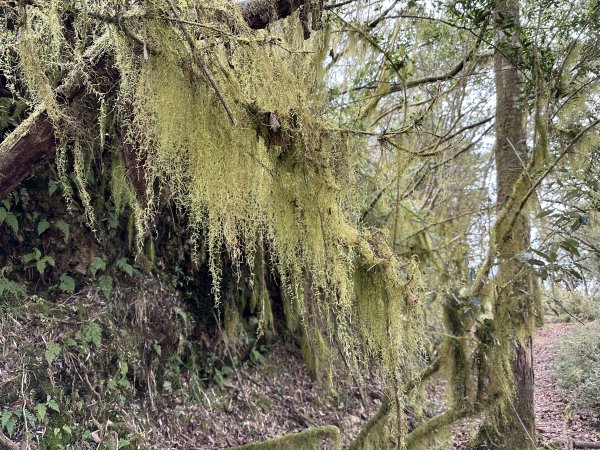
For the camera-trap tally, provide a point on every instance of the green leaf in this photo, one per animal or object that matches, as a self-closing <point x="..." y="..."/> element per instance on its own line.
<point x="53" y="405"/>
<point x="106" y="282"/>
<point x="12" y="222"/>
<point x="42" y="226"/>
<point x="536" y="262"/>
<point x="92" y="333"/>
<point x="124" y="266"/>
<point x="570" y="245"/>
<point x="219" y="379"/>
<point x="52" y="186"/>
<point x="67" y="284"/>
<point x="52" y="351"/>
<point x="10" y="426"/>
<point x="41" y="266"/>
<point x="544" y="213"/>
<point x="6" y="415"/>
<point x="35" y="254"/>
<point x="67" y="429"/>
<point x="97" y="264"/>
<point x="30" y="417"/>
<point x="40" y="412"/>
<point x="50" y="260"/>
<point x="64" y="228"/>
<point x="11" y="288"/>
<point x="256" y="357"/>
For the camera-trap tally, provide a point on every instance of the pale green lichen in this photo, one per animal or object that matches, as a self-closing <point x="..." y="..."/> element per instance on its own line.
<point x="292" y="187"/>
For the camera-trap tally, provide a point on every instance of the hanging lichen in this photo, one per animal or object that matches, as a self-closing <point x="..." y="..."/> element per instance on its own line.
<point x="230" y="124"/>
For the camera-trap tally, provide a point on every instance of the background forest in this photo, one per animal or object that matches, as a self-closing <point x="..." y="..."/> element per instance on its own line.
<point x="372" y="222"/>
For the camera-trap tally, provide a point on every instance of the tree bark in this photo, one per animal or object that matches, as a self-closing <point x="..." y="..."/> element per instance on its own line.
<point x="512" y="425"/>
<point x="25" y="149"/>
<point x="259" y="13"/>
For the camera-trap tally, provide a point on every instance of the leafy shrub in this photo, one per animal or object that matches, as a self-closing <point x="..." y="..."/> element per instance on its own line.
<point x="577" y="366"/>
<point x="568" y="305"/>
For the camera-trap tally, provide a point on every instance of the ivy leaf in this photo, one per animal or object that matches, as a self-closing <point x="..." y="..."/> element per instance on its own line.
<point x="42" y="226"/>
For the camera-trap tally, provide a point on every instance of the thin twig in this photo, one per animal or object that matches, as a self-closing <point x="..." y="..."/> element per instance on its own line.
<point x="201" y="65"/>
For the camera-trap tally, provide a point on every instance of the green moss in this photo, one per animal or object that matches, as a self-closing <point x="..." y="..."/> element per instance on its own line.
<point x="311" y="439"/>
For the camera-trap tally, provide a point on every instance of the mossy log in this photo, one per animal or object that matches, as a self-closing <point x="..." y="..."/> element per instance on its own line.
<point x="25" y="149"/>
<point x="311" y="439"/>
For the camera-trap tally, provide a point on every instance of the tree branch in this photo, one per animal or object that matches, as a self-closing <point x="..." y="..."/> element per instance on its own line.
<point x="258" y="14"/>
<point x="26" y="148"/>
<point x="33" y="143"/>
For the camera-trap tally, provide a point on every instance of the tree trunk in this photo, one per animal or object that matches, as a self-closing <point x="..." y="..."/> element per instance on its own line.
<point x="512" y="424"/>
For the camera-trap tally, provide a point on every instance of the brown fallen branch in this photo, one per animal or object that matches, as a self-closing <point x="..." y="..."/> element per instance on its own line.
<point x="570" y="444"/>
<point x="584" y="444"/>
<point x="5" y="442"/>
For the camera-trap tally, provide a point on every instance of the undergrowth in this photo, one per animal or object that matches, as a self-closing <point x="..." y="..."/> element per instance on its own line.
<point x="577" y="366"/>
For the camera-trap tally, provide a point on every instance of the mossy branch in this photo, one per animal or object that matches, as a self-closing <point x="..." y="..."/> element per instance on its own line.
<point x="200" y="63"/>
<point x="310" y="439"/>
<point x="381" y="416"/>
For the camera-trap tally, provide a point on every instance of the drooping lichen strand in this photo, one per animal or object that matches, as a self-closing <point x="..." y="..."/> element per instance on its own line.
<point x="279" y="173"/>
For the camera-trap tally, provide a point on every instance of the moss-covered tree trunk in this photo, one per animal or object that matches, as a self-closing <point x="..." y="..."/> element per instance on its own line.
<point x="511" y="424"/>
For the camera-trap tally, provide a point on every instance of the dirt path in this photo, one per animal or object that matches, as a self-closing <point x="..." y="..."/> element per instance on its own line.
<point x="556" y="419"/>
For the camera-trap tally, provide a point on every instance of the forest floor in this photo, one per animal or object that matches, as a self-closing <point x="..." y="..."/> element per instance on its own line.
<point x="279" y="397"/>
<point x="557" y="418"/>
<point x="259" y="402"/>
